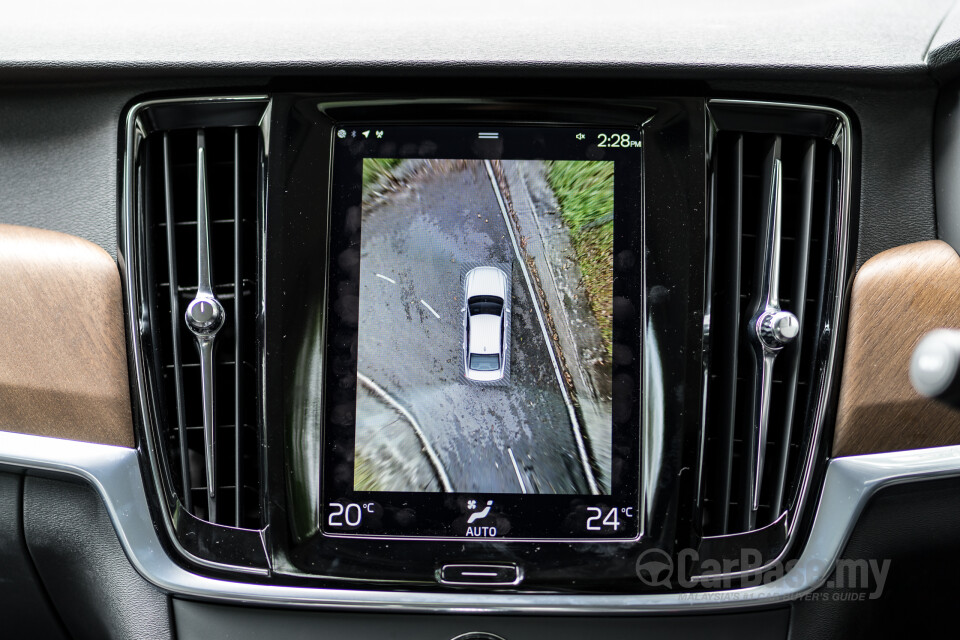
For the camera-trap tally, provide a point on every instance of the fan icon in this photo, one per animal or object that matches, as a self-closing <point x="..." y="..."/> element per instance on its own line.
<point x="471" y="504"/>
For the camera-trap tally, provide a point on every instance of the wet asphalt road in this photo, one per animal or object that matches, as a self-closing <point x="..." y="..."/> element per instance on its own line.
<point x="423" y="239"/>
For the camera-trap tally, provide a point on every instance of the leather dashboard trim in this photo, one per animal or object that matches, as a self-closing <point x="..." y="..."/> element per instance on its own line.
<point x="63" y="370"/>
<point x="897" y="297"/>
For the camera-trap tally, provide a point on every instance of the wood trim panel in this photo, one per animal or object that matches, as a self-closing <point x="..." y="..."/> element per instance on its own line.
<point x="63" y="359"/>
<point x="897" y="297"/>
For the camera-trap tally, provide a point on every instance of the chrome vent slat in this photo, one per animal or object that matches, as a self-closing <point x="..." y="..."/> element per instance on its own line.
<point x="237" y="333"/>
<point x="175" y="324"/>
<point x="773" y="327"/>
<point x="766" y="297"/>
<point x="725" y="326"/>
<point x="753" y="180"/>
<point x="204" y="317"/>
<point x="799" y="299"/>
<point x="204" y="265"/>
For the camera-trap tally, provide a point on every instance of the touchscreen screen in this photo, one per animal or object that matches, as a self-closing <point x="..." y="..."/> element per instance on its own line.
<point x="476" y="286"/>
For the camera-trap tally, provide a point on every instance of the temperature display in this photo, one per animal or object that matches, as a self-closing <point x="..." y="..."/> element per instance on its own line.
<point x="599" y="519"/>
<point x="349" y="514"/>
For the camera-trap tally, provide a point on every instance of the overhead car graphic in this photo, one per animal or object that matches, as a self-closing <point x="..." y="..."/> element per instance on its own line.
<point x="485" y="293"/>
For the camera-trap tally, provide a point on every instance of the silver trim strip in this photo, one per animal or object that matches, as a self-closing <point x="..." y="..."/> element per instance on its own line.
<point x="114" y="473"/>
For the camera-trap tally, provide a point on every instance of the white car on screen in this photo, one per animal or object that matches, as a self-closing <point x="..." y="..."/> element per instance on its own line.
<point x="486" y="293"/>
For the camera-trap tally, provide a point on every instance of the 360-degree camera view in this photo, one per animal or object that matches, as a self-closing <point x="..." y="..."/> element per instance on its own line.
<point x="485" y="357"/>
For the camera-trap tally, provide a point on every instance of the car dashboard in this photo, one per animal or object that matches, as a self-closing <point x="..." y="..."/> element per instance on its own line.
<point x="479" y="323"/>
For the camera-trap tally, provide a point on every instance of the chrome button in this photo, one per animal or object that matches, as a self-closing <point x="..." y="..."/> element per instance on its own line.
<point x="480" y="574"/>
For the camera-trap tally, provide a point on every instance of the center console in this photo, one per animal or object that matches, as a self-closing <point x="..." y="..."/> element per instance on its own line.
<point x="505" y="345"/>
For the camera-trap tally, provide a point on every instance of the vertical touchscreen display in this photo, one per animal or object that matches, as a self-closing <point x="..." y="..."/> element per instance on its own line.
<point x="487" y="355"/>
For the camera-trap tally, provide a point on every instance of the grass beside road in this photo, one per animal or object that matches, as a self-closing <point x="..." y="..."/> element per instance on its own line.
<point x="375" y="169"/>
<point x="366" y="477"/>
<point x="585" y="193"/>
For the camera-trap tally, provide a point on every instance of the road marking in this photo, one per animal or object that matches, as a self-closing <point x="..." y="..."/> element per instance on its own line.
<point x="431" y="454"/>
<point x="424" y="303"/>
<point x="390" y="280"/>
<point x="516" y="468"/>
<point x="574" y="423"/>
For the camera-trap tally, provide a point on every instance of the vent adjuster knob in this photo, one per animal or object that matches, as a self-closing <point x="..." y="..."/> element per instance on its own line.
<point x="204" y="316"/>
<point x="776" y="329"/>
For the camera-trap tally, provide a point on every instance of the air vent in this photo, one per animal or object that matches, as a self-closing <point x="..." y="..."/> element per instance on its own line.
<point x="199" y="192"/>
<point x="777" y="247"/>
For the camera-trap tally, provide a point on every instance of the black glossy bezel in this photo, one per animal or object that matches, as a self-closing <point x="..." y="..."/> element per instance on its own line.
<point x="297" y="226"/>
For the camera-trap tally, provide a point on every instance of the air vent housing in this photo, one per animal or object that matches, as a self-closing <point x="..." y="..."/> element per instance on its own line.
<point x="197" y="188"/>
<point x="777" y="256"/>
<point x="172" y="180"/>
